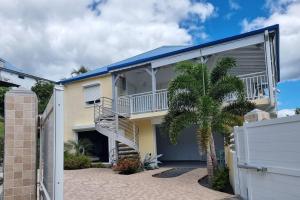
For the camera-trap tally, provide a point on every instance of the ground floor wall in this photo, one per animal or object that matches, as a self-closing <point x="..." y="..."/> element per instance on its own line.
<point x="147" y="140"/>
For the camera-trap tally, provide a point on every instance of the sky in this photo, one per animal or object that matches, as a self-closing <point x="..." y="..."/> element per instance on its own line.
<point x="51" y="39"/>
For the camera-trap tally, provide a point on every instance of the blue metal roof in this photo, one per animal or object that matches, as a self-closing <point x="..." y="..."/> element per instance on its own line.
<point x="165" y="51"/>
<point x="92" y="73"/>
<point x="104" y="70"/>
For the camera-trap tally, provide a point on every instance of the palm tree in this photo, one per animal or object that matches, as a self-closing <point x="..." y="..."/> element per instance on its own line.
<point x="82" y="69"/>
<point x="196" y="97"/>
<point x="79" y="148"/>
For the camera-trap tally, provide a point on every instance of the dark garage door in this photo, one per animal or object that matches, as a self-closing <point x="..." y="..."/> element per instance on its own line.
<point x="186" y="149"/>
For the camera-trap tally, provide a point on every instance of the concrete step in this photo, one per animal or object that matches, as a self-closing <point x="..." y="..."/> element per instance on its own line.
<point x="122" y="145"/>
<point x="123" y="148"/>
<point x="128" y="156"/>
<point x="130" y="152"/>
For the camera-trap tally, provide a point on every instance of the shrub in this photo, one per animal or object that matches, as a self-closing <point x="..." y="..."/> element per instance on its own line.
<point x="220" y="180"/>
<point x="76" y="161"/>
<point x="128" y="165"/>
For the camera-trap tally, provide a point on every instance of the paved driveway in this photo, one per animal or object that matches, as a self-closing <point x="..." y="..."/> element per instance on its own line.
<point x="104" y="184"/>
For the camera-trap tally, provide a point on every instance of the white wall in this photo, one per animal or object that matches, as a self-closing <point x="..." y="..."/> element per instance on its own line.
<point x="27" y="82"/>
<point x="273" y="145"/>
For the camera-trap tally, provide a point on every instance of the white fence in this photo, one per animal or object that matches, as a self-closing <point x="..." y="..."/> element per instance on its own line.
<point x="267" y="159"/>
<point x="52" y="148"/>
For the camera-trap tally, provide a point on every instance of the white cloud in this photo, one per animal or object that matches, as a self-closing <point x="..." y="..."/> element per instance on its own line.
<point x="287" y="15"/>
<point x="234" y="5"/>
<point x="52" y="38"/>
<point x="285" y="112"/>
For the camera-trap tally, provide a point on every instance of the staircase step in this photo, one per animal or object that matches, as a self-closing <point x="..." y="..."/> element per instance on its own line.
<point x="130" y="152"/>
<point x="128" y="156"/>
<point x="123" y="148"/>
<point x="122" y="145"/>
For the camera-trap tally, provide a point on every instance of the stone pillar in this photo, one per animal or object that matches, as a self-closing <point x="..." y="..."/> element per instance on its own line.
<point x="20" y="145"/>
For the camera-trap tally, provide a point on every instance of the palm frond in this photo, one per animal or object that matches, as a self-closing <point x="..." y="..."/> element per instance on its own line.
<point x="226" y="86"/>
<point x="221" y="69"/>
<point x="178" y="123"/>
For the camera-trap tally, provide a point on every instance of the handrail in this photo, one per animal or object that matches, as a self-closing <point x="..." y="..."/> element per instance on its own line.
<point x="103" y="115"/>
<point x="251" y="74"/>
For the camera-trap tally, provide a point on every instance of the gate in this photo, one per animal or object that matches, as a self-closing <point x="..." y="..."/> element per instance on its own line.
<point x="52" y="148"/>
<point x="267" y="160"/>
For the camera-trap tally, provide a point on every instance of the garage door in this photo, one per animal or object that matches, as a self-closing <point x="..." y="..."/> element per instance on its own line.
<point x="186" y="149"/>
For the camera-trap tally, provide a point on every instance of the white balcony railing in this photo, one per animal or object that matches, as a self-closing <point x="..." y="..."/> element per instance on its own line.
<point x="256" y="87"/>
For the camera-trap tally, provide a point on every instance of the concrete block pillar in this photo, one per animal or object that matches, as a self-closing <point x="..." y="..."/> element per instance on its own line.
<point x="20" y="145"/>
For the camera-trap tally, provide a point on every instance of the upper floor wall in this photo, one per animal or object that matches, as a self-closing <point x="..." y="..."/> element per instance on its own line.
<point x="79" y="98"/>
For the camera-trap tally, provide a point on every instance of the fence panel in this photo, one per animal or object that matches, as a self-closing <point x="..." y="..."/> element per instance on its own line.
<point x="268" y="159"/>
<point x="51" y="148"/>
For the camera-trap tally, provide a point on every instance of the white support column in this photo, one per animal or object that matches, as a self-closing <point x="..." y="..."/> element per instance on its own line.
<point x="112" y="138"/>
<point x="152" y="73"/>
<point x="153" y="78"/>
<point x="268" y="58"/>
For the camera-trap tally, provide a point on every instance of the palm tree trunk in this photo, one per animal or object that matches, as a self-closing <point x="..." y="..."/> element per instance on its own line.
<point x="213" y="152"/>
<point x="210" y="167"/>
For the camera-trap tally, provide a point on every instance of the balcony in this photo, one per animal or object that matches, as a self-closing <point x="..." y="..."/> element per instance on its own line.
<point x="256" y="88"/>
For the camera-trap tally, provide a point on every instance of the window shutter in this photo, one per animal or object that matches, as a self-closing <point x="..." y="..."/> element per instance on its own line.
<point x="91" y="93"/>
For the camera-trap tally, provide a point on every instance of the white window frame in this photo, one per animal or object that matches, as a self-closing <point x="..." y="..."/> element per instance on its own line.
<point x="87" y="85"/>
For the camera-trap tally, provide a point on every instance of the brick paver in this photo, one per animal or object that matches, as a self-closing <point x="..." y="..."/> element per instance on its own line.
<point x="104" y="184"/>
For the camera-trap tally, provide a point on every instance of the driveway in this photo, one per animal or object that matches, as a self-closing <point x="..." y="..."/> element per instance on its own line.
<point x="105" y="184"/>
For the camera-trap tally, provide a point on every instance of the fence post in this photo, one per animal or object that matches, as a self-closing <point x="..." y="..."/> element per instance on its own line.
<point x="20" y="145"/>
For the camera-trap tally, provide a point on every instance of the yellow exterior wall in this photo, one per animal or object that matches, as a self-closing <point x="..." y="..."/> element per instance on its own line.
<point x="76" y="112"/>
<point x="147" y="140"/>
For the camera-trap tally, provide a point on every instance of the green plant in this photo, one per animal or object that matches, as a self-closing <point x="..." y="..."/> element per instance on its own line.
<point x="3" y="90"/>
<point x="220" y="180"/>
<point x="196" y="97"/>
<point x="72" y="161"/>
<point x="43" y="91"/>
<point x="128" y="165"/>
<point x="81" y="70"/>
<point x="150" y="162"/>
<point x="82" y="147"/>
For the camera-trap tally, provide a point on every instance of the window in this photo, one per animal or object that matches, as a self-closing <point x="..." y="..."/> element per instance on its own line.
<point x="91" y="94"/>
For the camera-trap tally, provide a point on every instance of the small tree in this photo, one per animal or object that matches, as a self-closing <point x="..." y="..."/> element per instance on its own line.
<point x="82" y="69"/>
<point x="196" y="97"/>
<point x="43" y="91"/>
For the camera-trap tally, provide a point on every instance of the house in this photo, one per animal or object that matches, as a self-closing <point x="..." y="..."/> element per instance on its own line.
<point x="11" y="76"/>
<point x="120" y="107"/>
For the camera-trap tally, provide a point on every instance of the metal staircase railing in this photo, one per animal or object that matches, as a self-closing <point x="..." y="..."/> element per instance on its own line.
<point x="124" y="129"/>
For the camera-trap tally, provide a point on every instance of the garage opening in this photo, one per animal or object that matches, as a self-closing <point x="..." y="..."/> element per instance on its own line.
<point x="186" y="150"/>
<point x="99" y="149"/>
